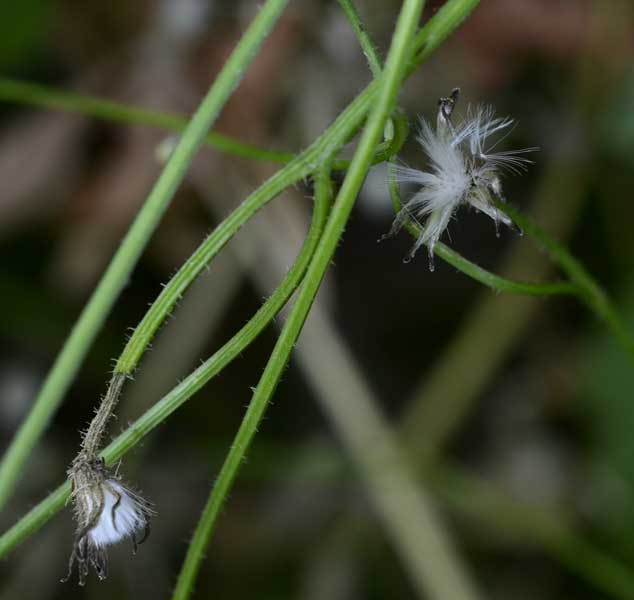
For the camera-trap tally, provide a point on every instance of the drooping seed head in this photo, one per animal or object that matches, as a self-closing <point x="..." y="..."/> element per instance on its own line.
<point x="106" y="512"/>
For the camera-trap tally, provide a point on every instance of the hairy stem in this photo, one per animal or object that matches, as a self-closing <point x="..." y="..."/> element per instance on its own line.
<point x="590" y="291"/>
<point x="581" y="283"/>
<point x="365" y="42"/>
<point x="491" y="280"/>
<point x="92" y="439"/>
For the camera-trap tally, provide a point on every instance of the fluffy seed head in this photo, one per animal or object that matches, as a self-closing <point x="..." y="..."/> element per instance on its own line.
<point x="106" y="512"/>
<point x="464" y="168"/>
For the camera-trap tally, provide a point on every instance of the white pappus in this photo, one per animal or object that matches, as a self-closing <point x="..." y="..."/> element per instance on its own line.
<point x="106" y="512"/>
<point x="464" y="169"/>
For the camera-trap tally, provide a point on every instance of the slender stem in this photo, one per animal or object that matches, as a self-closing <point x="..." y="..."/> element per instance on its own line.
<point x="195" y="551"/>
<point x="390" y="83"/>
<point x="118" y="272"/>
<point x="590" y="290"/>
<point x="500" y="284"/>
<point x="491" y="280"/>
<point x="365" y="42"/>
<point x="23" y="92"/>
<point x="453" y="258"/>
<point x="348" y="121"/>
<point x="449" y="16"/>
<point x="92" y="439"/>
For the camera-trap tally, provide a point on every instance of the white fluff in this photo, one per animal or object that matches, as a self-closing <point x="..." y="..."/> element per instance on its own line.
<point x="123" y="514"/>
<point x="463" y="169"/>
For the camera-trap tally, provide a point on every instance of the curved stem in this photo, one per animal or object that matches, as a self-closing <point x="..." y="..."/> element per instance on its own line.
<point x="491" y="280"/>
<point x="590" y="290"/>
<point x="118" y="272"/>
<point x="501" y="284"/>
<point x="298" y="169"/>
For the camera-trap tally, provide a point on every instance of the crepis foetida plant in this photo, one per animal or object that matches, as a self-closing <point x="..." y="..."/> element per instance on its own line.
<point x="464" y="169"/>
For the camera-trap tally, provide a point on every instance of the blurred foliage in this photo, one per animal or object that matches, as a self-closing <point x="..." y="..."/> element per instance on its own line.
<point x="607" y="382"/>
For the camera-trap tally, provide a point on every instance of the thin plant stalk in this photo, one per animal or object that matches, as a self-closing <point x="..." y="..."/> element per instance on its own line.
<point x="118" y="272"/>
<point x="44" y="96"/>
<point x="403" y="508"/>
<point x="205" y="253"/>
<point x="367" y="46"/>
<point x="389" y="83"/>
<point x="491" y="280"/>
<point x="590" y="291"/>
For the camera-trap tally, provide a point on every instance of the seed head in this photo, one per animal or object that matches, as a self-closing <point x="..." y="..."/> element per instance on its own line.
<point x="106" y="512"/>
<point x="464" y="169"/>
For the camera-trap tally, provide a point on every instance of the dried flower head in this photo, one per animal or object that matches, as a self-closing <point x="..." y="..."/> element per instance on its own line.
<point x="464" y="169"/>
<point x="106" y="512"/>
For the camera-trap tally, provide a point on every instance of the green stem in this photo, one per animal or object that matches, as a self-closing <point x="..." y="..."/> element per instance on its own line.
<point x="365" y="42"/>
<point x="22" y="92"/>
<point x="501" y="284"/>
<point x="389" y="86"/>
<point x="491" y="280"/>
<point x="450" y="15"/>
<point x="300" y="167"/>
<point x="118" y="272"/>
<point x="590" y="290"/>
<point x="195" y="551"/>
